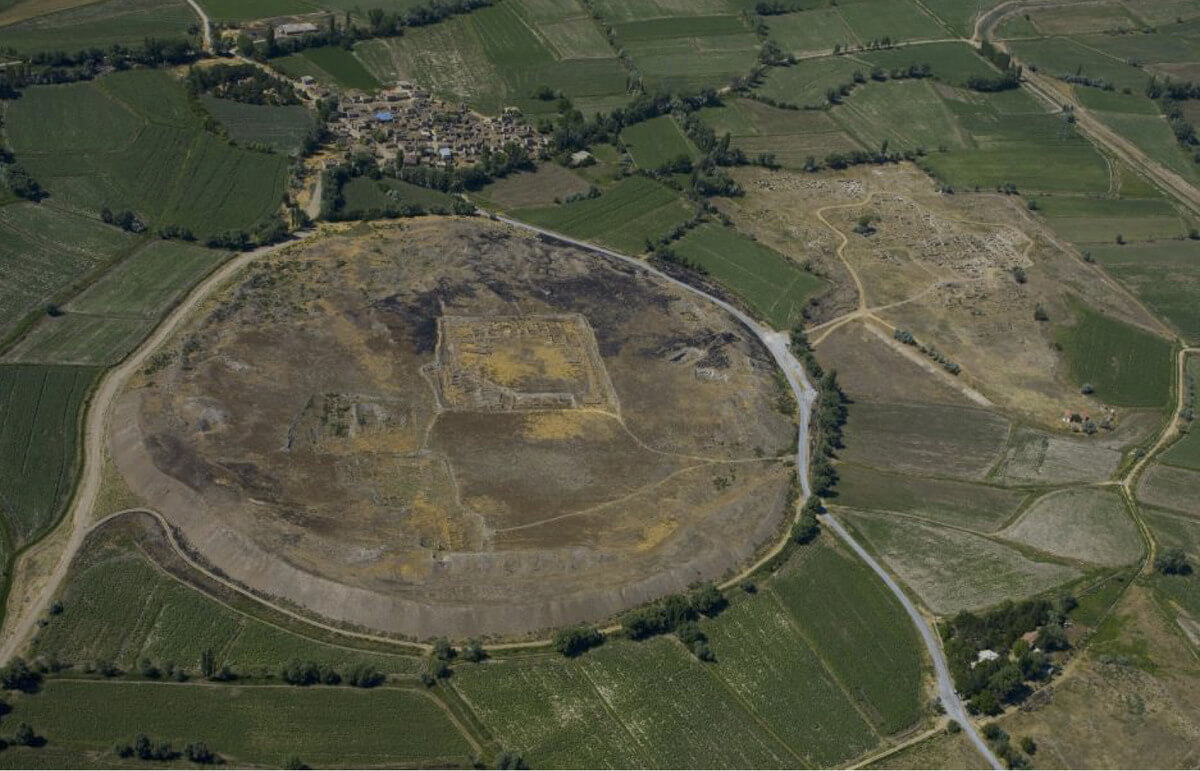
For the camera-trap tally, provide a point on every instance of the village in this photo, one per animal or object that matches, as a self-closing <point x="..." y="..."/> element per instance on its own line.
<point x="408" y="125"/>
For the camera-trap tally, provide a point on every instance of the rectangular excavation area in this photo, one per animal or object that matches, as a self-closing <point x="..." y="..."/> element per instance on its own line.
<point x="507" y="363"/>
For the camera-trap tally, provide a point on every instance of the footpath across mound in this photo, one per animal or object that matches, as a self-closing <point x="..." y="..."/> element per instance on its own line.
<point x="447" y="429"/>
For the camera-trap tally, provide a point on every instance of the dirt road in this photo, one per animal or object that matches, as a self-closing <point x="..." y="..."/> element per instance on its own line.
<point x="205" y="25"/>
<point x="18" y="627"/>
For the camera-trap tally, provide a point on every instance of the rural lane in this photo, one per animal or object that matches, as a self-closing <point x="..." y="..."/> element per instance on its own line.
<point x="17" y="630"/>
<point x="778" y="344"/>
<point x="205" y="24"/>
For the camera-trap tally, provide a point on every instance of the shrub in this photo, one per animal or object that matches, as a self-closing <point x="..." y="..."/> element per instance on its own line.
<point x="1172" y="562"/>
<point x="708" y="600"/>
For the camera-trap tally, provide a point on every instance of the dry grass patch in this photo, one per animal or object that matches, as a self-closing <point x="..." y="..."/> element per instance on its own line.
<point x="1089" y="525"/>
<point x="1038" y="457"/>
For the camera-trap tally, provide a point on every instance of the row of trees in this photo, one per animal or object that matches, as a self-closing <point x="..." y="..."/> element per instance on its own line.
<point x="64" y="67"/>
<point x="143" y="748"/>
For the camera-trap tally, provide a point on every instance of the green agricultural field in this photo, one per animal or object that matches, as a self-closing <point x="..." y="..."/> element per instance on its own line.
<point x="907" y="114"/>
<point x="1186" y="451"/>
<point x="900" y="20"/>
<point x="120" y="607"/>
<point x="764" y="658"/>
<point x="39" y="424"/>
<point x="538" y="188"/>
<point x="1064" y="56"/>
<point x="1171" y="488"/>
<point x="1153" y="136"/>
<point x="1096" y="17"/>
<point x="44" y="251"/>
<point x="1101" y="220"/>
<point x="80" y="338"/>
<point x="247" y="10"/>
<point x="1169" y="44"/>
<point x="657" y="142"/>
<point x="626" y="216"/>
<point x="953" y="570"/>
<point x="1015" y="142"/>
<point x="494" y="58"/>
<point x="1144" y="268"/>
<point x="343" y="66"/>
<point x="792" y="136"/>
<point x="810" y="31"/>
<point x="1126" y="365"/>
<point x="951" y="62"/>
<point x="923" y="438"/>
<point x="1173" y="530"/>
<point x="100" y="25"/>
<point x="363" y="194"/>
<point x="680" y="712"/>
<point x="150" y="281"/>
<point x="255" y="725"/>
<point x="959" y="15"/>
<point x="549" y="708"/>
<point x="1089" y="525"/>
<point x="281" y="127"/>
<point x="691" y="63"/>
<point x="806" y="82"/>
<point x="775" y="288"/>
<point x="860" y="632"/>
<point x="1115" y="101"/>
<point x="963" y="504"/>
<point x="615" y="11"/>
<point x="114" y="156"/>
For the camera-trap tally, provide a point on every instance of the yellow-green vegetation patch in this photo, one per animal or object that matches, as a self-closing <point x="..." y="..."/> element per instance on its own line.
<point x="634" y="10"/>
<point x="44" y="250"/>
<point x="250" y="725"/>
<point x="636" y="210"/>
<point x="677" y="709"/>
<point x="923" y="438"/>
<point x="1114" y="101"/>
<point x="1095" y="17"/>
<point x="345" y="68"/>
<point x="861" y="633"/>
<point x="1164" y="274"/>
<point x="100" y="25"/>
<point x="1123" y="364"/>
<point x="959" y="15"/>
<point x="952" y="570"/>
<point x="942" y="750"/>
<point x="691" y="63"/>
<point x="39" y="425"/>
<point x="1103" y="220"/>
<point x="1089" y="525"/>
<point x="657" y="142"/>
<point x="777" y="289"/>
<point x="964" y="504"/>
<point x="1039" y="457"/>
<point x="1171" y="488"/>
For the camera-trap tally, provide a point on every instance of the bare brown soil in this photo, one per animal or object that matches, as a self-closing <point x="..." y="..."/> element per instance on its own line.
<point x="446" y="429"/>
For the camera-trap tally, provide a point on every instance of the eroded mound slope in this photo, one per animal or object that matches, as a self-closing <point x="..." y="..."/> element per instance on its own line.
<point x="448" y="429"/>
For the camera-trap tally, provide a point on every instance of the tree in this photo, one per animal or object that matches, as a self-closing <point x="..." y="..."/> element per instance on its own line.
<point x="198" y="752"/>
<point x="1053" y="637"/>
<point x="573" y="641"/>
<point x="442" y="649"/>
<point x="1172" y="562"/>
<point x="208" y="663"/>
<point x="708" y="600"/>
<point x="17" y="676"/>
<point x="25" y="736"/>
<point x="509" y="759"/>
<point x="1028" y="745"/>
<point x="294" y="763"/>
<point x="473" y="651"/>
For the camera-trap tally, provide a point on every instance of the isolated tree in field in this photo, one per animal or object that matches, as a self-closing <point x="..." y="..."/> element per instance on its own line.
<point x="509" y="759"/>
<point x="1172" y="562"/>
<point x="473" y="651"/>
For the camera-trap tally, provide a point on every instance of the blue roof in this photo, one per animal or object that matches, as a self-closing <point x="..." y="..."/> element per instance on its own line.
<point x="384" y="116"/>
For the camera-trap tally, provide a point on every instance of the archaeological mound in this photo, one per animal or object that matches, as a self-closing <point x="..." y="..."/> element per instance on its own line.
<point x="447" y="428"/>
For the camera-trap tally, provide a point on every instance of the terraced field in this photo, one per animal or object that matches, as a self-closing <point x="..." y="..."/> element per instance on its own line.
<point x="99" y="25"/>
